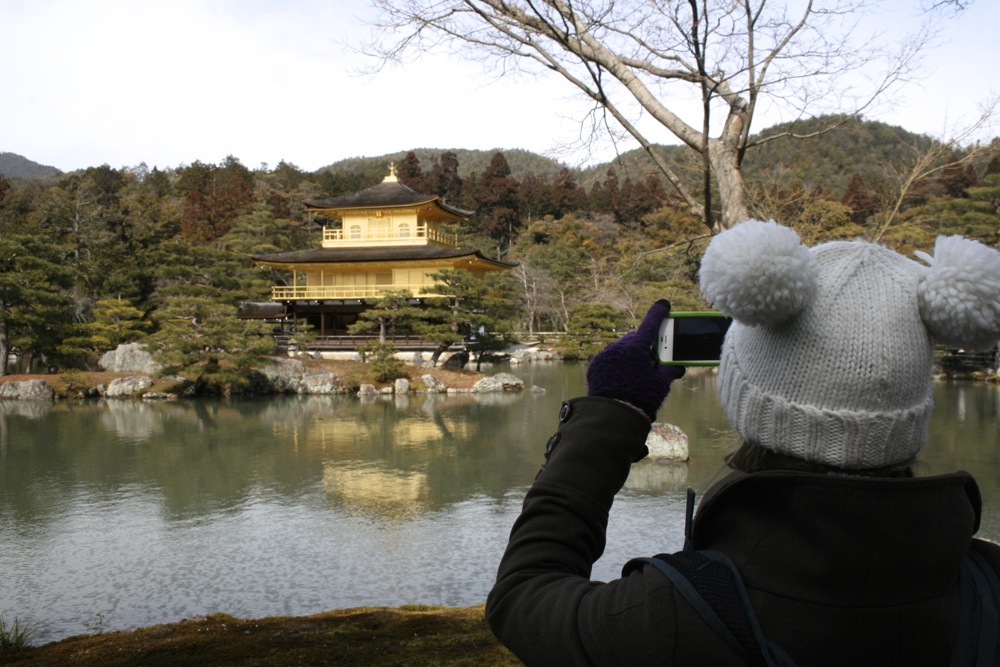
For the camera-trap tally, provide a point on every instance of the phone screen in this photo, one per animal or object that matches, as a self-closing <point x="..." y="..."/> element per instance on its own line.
<point x="692" y="339"/>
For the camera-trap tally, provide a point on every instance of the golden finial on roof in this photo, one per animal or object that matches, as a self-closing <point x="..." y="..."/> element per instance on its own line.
<point x="392" y="173"/>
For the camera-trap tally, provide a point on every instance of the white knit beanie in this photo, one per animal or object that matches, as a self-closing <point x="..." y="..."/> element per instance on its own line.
<point x="829" y="355"/>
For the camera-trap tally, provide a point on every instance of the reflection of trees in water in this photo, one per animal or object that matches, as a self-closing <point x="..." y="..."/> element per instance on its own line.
<point x="389" y="457"/>
<point x="31" y="410"/>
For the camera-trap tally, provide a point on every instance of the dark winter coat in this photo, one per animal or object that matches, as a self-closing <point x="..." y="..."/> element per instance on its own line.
<point x="841" y="570"/>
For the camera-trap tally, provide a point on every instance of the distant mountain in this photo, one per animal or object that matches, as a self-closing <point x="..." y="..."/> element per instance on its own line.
<point x="520" y="161"/>
<point x="824" y="160"/>
<point x="828" y="160"/>
<point x="13" y="166"/>
<point x="813" y="158"/>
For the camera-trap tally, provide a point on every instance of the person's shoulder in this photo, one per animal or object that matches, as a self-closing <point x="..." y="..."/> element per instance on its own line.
<point x="989" y="550"/>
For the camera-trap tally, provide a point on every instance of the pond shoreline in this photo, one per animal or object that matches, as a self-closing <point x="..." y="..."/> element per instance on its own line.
<point x="70" y="385"/>
<point x="411" y="635"/>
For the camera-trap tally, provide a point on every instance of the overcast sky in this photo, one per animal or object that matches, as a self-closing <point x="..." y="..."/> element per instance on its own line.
<point x="168" y="82"/>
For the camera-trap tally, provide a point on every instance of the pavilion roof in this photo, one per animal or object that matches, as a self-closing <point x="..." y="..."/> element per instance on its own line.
<point x="390" y="193"/>
<point x="378" y="254"/>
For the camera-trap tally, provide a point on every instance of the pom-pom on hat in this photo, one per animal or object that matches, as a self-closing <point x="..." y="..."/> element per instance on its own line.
<point x="830" y="352"/>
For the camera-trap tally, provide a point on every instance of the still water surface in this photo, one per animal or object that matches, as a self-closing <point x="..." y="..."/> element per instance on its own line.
<point x="121" y="514"/>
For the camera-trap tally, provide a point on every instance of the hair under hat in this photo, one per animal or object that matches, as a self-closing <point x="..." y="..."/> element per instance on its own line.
<point x="830" y="353"/>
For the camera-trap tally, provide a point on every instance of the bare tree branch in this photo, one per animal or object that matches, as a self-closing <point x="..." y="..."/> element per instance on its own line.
<point x="642" y="62"/>
<point x="934" y="159"/>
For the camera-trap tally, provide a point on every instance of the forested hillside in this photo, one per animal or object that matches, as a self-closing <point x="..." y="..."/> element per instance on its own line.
<point x="14" y="166"/>
<point x="106" y="255"/>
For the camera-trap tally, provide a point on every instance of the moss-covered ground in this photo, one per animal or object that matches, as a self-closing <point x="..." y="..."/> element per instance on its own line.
<point x="370" y="636"/>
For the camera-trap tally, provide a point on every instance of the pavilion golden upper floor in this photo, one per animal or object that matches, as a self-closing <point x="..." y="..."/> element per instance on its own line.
<point x="386" y="237"/>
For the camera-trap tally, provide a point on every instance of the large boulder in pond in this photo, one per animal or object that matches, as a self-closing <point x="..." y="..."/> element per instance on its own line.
<point x="668" y="443"/>
<point x="320" y="382"/>
<point x="433" y="384"/>
<point x="130" y="358"/>
<point x="27" y="390"/>
<point x="284" y="375"/>
<point x="456" y="361"/>
<point x="498" y="382"/>
<point x="128" y="386"/>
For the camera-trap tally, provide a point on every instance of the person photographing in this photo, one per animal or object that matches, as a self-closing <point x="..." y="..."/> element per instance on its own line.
<point x="822" y="546"/>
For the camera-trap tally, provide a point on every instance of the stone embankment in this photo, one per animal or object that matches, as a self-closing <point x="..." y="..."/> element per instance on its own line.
<point x="140" y="377"/>
<point x="283" y="376"/>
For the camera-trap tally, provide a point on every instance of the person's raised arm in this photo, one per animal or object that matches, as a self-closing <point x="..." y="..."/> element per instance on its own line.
<point x="545" y="571"/>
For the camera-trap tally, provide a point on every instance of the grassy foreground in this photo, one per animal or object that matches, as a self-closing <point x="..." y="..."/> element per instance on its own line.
<point x="411" y="636"/>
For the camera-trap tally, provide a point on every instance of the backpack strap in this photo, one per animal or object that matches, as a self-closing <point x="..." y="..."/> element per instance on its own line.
<point x="978" y="640"/>
<point x="711" y="584"/>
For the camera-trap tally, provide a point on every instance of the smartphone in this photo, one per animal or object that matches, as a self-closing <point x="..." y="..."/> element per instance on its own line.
<point x="692" y="338"/>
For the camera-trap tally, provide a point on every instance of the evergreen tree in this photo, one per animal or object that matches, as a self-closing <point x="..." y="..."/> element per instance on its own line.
<point x="411" y="174"/>
<point x="591" y="327"/>
<point x="636" y="200"/>
<point x="535" y="197"/>
<point x="288" y="175"/>
<point x="392" y="313"/>
<point x="198" y="293"/>
<point x="213" y="196"/>
<point x="4" y="188"/>
<point x="115" y="321"/>
<point x="470" y="308"/>
<point x="34" y="308"/>
<point x="444" y="180"/>
<point x="604" y="195"/>
<point x="566" y="195"/>
<point x="195" y="328"/>
<point x="497" y="196"/>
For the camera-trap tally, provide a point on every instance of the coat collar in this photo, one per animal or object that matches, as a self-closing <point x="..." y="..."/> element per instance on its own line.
<point x="835" y="539"/>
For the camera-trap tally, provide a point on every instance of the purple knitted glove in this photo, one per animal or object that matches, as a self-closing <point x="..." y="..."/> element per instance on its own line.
<point x="626" y="370"/>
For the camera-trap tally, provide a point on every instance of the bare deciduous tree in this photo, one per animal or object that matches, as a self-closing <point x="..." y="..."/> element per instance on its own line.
<point x="925" y="162"/>
<point x="699" y="69"/>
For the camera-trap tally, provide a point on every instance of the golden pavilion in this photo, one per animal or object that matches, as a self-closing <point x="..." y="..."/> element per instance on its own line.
<point x="386" y="237"/>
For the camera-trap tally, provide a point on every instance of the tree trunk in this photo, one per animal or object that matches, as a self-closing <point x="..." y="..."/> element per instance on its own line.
<point x="438" y="351"/>
<point x="4" y="347"/>
<point x="725" y="154"/>
<point x="732" y="197"/>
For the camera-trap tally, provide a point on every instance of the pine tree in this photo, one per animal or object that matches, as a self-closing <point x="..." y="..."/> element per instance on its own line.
<point x="472" y="310"/>
<point x="392" y="313"/>
<point x="410" y="173"/>
<point x="115" y="321"/>
<point x="444" y="180"/>
<point x="34" y="308"/>
<point x="591" y="327"/>
<point x="497" y="194"/>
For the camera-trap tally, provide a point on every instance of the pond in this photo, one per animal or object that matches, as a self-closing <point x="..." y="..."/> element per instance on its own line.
<point x="121" y="514"/>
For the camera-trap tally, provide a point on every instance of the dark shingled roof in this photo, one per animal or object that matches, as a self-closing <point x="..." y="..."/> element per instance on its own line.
<point x="261" y="310"/>
<point x="387" y="194"/>
<point x="384" y="254"/>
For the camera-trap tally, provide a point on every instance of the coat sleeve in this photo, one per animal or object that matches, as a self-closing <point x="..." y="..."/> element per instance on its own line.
<point x="544" y="606"/>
